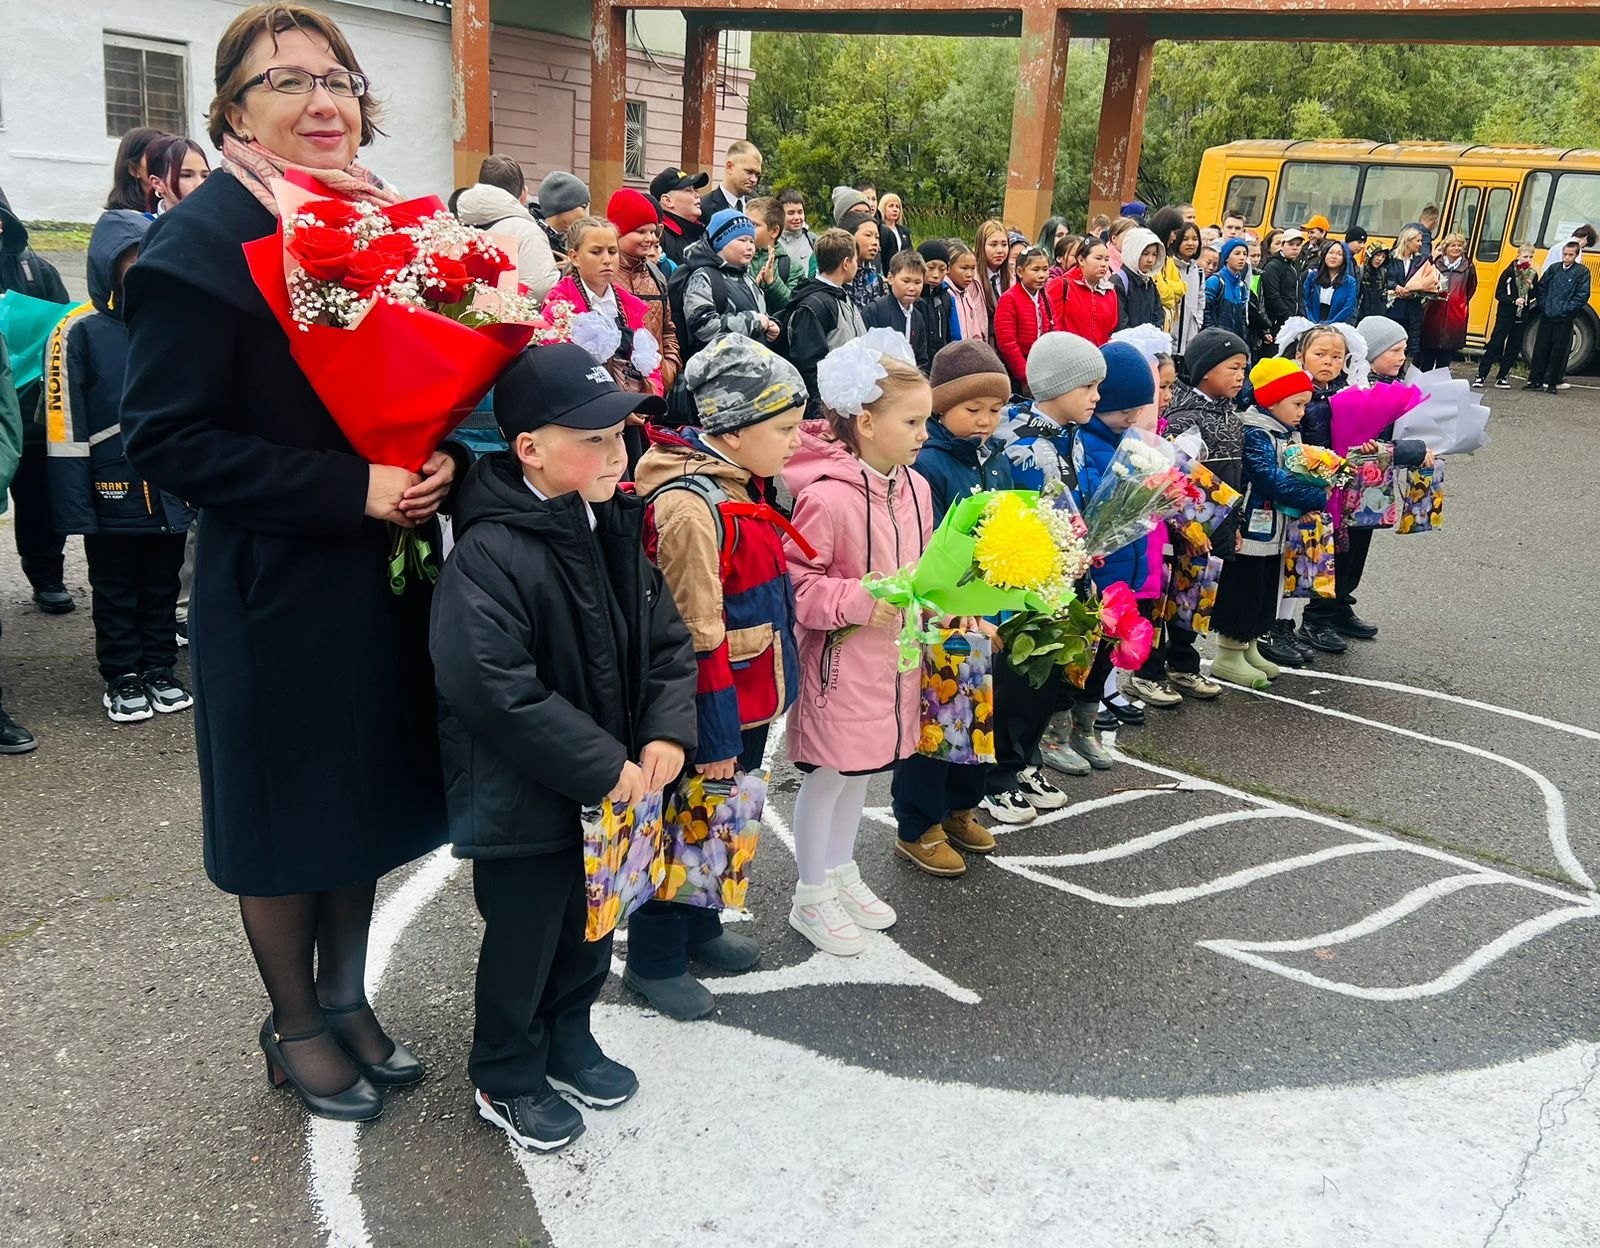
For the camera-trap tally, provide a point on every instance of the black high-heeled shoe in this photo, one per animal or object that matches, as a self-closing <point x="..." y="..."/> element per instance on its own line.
<point x="400" y="1068"/>
<point x="360" y="1102"/>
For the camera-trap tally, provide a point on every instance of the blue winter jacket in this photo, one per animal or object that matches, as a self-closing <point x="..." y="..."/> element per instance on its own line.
<point x="1099" y="443"/>
<point x="1316" y="426"/>
<point x="1345" y="293"/>
<point x="1271" y="491"/>
<point x="955" y="467"/>
<point x="1563" y="291"/>
<point x="93" y="487"/>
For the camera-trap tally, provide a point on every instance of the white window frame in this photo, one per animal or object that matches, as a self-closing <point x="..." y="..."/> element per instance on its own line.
<point x="144" y="43"/>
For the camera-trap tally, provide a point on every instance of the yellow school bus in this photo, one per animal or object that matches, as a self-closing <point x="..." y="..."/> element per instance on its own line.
<point x="1497" y="197"/>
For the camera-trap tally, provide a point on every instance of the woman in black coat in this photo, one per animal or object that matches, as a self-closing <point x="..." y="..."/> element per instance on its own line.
<point x="315" y="717"/>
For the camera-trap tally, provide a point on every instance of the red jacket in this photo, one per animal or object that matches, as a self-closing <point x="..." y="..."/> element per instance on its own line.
<point x="1090" y="314"/>
<point x="1017" y="327"/>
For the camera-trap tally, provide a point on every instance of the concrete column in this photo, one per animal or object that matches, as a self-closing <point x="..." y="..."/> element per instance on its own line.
<point x="471" y="97"/>
<point x="1036" y="116"/>
<point x="700" y="98"/>
<point x="1116" y="154"/>
<point x="608" y="96"/>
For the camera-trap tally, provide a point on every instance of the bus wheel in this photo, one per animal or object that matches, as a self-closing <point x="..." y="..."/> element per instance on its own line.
<point x="1584" y="337"/>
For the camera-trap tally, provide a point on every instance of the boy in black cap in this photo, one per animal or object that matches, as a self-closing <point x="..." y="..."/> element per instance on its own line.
<point x="677" y="191"/>
<point x="565" y="676"/>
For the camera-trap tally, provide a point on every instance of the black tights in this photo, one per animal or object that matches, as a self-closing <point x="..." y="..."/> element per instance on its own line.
<point x="311" y="950"/>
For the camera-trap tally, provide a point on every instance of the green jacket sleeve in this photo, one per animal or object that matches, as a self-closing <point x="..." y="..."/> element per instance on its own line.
<point x="10" y="426"/>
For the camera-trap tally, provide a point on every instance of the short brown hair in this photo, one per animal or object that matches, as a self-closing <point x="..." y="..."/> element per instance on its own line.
<point x="503" y="172"/>
<point x="277" y="19"/>
<point x="833" y="248"/>
<point x="765" y="211"/>
<point x="904" y="260"/>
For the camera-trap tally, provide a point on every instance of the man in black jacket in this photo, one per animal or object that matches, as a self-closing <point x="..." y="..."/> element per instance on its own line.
<point x="39" y="545"/>
<point x="560" y="659"/>
<point x="1281" y="280"/>
<point x="677" y="191"/>
<point x="741" y="173"/>
<point x="902" y="310"/>
<point x="821" y="315"/>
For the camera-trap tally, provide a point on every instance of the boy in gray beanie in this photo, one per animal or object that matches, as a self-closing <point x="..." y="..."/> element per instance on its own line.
<point x="719" y="545"/>
<point x="1382" y="336"/>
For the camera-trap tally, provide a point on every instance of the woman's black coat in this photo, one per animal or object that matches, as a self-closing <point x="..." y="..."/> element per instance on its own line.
<point x="315" y="710"/>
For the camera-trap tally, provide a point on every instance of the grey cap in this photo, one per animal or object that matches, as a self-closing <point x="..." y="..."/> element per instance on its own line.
<point x="1060" y="361"/>
<point x="737" y="382"/>
<point x="561" y="192"/>
<point x="1380" y="333"/>
<point x="844" y="199"/>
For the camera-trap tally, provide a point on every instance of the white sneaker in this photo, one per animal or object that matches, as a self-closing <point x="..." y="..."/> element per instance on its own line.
<point x="1153" y="692"/>
<point x="869" y="911"/>
<point x="1012" y="807"/>
<point x="1039" y="792"/>
<point x="818" y="916"/>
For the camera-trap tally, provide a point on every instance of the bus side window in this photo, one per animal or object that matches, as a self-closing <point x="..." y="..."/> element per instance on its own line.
<point x="1246" y="195"/>
<point x="1494" y="224"/>
<point x="1465" y="215"/>
<point x="1531" y="211"/>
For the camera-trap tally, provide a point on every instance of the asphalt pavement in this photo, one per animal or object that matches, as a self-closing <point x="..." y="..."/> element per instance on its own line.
<point x="1315" y="967"/>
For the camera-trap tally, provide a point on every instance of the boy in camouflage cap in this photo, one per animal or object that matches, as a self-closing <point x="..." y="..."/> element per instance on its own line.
<point x="719" y="545"/>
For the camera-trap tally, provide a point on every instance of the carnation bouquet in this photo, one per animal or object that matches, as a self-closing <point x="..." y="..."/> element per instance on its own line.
<point x="400" y="318"/>
<point x="1141" y="484"/>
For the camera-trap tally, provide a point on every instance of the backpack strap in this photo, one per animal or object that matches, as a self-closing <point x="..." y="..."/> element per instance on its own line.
<point x="726" y="512"/>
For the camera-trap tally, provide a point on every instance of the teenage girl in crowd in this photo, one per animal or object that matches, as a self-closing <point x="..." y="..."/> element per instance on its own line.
<point x="1180" y="281"/>
<point x="993" y="250"/>
<point x="1084" y="302"/>
<point x="1022" y="315"/>
<point x="1516" y="298"/>
<point x="863" y="509"/>
<point x="972" y="305"/>
<point x="177" y="166"/>
<point x="1331" y="289"/>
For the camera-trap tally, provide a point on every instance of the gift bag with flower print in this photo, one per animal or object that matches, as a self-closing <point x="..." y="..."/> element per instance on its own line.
<point x="1308" y="557"/>
<point x="1369" y="501"/>
<point x="712" y="829"/>
<point x="1422" y="499"/>
<point x="1194" y="590"/>
<point x="622" y="861"/>
<point x="958" y="699"/>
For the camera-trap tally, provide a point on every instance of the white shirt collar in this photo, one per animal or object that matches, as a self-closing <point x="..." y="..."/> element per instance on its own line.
<point x="607" y="300"/>
<point x="538" y="493"/>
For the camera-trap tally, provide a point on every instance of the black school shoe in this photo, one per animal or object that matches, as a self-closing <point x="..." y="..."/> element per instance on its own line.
<point x="1321" y="637"/>
<point x="1352" y="625"/>
<point x="14" y="738"/>
<point x="605" y="1085"/>
<point x="541" y="1122"/>
<point x="1277" y="646"/>
<point x="1124" y="711"/>
<point x="54" y="600"/>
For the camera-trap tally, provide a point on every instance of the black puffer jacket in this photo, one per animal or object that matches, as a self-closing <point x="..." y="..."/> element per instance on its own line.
<point x="1280" y="290"/>
<point x="558" y="655"/>
<point x="1217" y="421"/>
<point x="22" y="268"/>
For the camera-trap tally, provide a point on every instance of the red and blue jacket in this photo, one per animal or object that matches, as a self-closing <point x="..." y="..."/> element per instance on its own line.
<point x="719" y="545"/>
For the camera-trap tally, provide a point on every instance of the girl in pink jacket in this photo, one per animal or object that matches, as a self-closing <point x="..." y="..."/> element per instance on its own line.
<point x="863" y="509"/>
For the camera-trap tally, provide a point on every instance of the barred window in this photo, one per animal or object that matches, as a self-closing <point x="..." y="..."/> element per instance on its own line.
<point x="145" y="81"/>
<point x="633" y="155"/>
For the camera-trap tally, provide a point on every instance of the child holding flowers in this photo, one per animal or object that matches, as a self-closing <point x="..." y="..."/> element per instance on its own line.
<point x="719" y="545"/>
<point x="862" y="509"/>
<point x="1247" y="596"/>
<point x="935" y="801"/>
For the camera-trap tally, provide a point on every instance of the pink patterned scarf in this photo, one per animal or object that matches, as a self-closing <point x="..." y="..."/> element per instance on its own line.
<point x="255" y="166"/>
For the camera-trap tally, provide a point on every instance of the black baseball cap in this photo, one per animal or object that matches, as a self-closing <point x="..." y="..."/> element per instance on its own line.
<point x="678" y="180"/>
<point x="561" y="384"/>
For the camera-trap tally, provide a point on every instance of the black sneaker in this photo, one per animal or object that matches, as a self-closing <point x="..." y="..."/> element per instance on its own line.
<point x="1502" y="384"/>
<point x="1477" y="383"/>
<point x="14" y="738"/>
<point x="1321" y="637"/>
<point x="166" y="694"/>
<point x="126" y="701"/>
<point x="541" y="1122"/>
<point x="604" y="1085"/>
<point x="1278" y="645"/>
<point x="54" y="600"/>
<point x="1352" y="625"/>
<point x="1533" y="385"/>
<point x="183" y="632"/>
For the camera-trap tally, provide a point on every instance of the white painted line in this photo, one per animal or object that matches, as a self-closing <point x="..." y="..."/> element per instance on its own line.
<point x="1436" y="695"/>
<point x="1138" y="844"/>
<point x="333" y="1148"/>
<point x="1451" y="979"/>
<point x="1222" y="884"/>
<point x="885" y="814"/>
<point x="1411" y="847"/>
<point x="1555" y="804"/>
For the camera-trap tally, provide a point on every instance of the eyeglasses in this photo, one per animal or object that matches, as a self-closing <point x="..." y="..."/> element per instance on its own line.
<point x="288" y="80"/>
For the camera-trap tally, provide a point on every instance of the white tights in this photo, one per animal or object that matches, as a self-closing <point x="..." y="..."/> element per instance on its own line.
<point x="827" y="816"/>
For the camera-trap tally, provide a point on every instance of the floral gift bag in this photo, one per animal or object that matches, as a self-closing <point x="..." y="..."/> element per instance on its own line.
<point x="1422" y="499"/>
<point x="622" y="861"/>
<point x="1194" y="590"/>
<point x="712" y="829"/>
<point x="958" y="698"/>
<point x="1201" y="513"/>
<point x="1369" y="501"/>
<point x="1308" y="558"/>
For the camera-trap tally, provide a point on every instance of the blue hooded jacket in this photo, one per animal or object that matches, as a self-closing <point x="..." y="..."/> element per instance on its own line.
<point x="1345" y="292"/>
<point x="955" y="467"/>
<point x="1228" y="294"/>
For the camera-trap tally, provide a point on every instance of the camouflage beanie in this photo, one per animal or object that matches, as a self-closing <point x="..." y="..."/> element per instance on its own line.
<point x="737" y="382"/>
